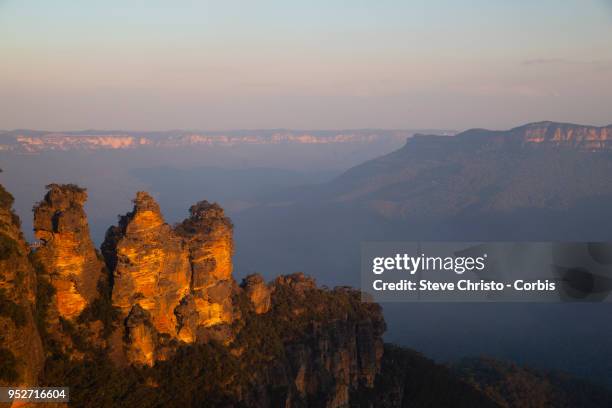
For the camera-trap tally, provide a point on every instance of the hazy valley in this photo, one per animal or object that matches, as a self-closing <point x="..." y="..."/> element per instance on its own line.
<point x="543" y="181"/>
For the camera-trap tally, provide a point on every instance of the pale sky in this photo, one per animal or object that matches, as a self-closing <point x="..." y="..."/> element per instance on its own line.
<point x="152" y="65"/>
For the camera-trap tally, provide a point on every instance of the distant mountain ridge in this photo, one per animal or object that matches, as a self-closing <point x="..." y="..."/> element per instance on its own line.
<point x="33" y="141"/>
<point x="543" y="165"/>
<point x="583" y="137"/>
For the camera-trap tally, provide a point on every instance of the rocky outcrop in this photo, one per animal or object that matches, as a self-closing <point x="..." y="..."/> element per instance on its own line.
<point x="176" y="284"/>
<point x="21" y="351"/>
<point x="258" y="292"/>
<point x="66" y="249"/>
<point x="181" y="278"/>
<point x="149" y="264"/>
<point x="330" y="343"/>
<point x="151" y="275"/>
<point x="207" y="234"/>
<point x="141" y="337"/>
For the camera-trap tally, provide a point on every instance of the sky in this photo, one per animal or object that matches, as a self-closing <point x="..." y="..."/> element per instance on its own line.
<point x="216" y="65"/>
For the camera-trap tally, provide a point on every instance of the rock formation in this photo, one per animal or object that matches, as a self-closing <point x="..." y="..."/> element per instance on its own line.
<point x="141" y="337"/>
<point x="21" y="351"/>
<point x="331" y="342"/>
<point x="149" y="264"/>
<point x="258" y="292"/>
<point x="348" y="347"/>
<point x="66" y="249"/>
<point x="208" y="236"/>
<point x="176" y="282"/>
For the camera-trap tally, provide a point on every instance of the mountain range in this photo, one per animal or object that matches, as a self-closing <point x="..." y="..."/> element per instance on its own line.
<point x="32" y="141"/>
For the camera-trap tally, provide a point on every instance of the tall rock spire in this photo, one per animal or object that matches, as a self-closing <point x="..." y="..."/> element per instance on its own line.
<point x="70" y="258"/>
<point x="207" y="233"/>
<point x="149" y="262"/>
<point x="175" y="282"/>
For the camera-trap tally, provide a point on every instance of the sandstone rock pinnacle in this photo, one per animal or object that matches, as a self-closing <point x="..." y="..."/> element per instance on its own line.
<point x="177" y="282"/>
<point x="70" y="258"/>
<point x="149" y="264"/>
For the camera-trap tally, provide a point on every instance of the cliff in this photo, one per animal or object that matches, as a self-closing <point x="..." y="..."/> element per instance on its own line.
<point x="21" y="351"/>
<point x="567" y="135"/>
<point x="537" y="134"/>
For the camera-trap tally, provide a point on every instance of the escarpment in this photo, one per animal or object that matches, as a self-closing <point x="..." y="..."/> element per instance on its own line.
<point x="566" y="135"/>
<point x="21" y="351"/>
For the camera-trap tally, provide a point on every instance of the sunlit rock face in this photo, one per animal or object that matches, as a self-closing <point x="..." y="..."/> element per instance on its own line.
<point x="208" y="236"/>
<point x="141" y="337"/>
<point x="544" y="134"/>
<point x="149" y="263"/>
<point x="180" y="278"/>
<point x="21" y="351"/>
<point x="575" y="136"/>
<point x="66" y="249"/>
<point x="258" y="292"/>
